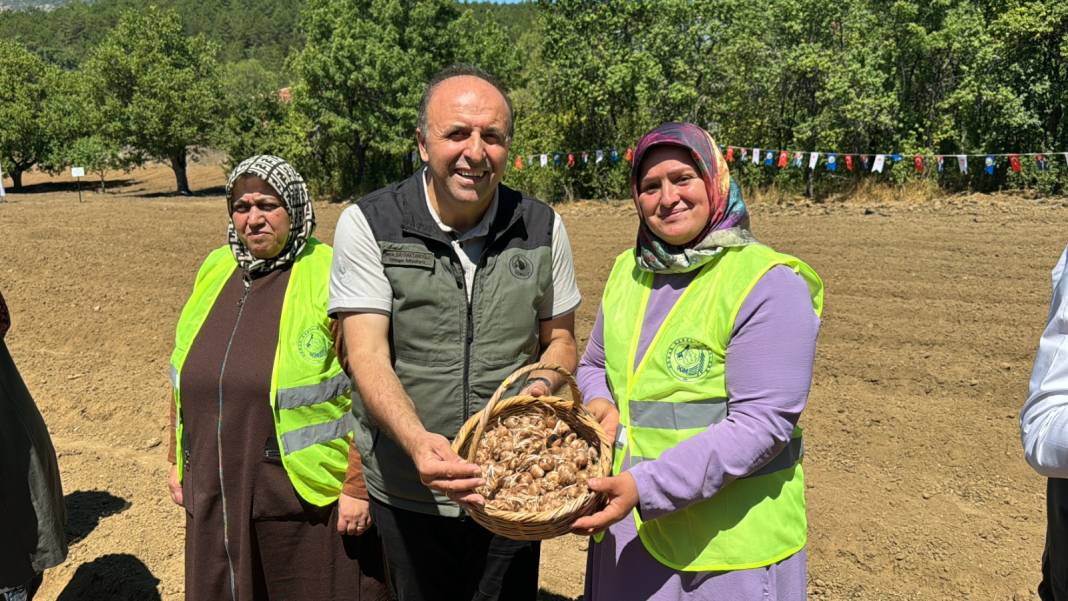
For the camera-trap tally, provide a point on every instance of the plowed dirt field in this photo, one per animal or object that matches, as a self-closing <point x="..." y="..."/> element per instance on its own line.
<point x="916" y="484"/>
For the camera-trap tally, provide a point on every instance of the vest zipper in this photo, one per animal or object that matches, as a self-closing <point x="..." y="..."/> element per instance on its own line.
<point x="469" y="334"/>
<point x="468" y="338"/>
<point x="247" y="283"/>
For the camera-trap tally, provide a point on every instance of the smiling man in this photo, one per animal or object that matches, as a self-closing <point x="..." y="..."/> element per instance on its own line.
<point x="446" y="283"/>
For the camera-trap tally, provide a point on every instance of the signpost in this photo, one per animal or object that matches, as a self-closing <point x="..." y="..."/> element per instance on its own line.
<point x="79" y="173"/>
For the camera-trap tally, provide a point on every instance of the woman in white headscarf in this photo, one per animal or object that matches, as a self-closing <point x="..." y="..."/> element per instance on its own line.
<point x="275" y="504"/>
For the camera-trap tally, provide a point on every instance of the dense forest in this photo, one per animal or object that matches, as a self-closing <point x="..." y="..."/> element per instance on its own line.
<point x="907" y="85"/>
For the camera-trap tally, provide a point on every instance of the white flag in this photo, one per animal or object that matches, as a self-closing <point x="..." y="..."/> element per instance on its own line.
<point x="756" y="156"/>
<point x="2" y="192"/>
<point x="813" y="160"/>
<point x="877" y="166"/>
<point x="600" y="156"/>
<point x="962" y="163"/>
<point x="1066" y="157"/>
<point x="544" y="160"/>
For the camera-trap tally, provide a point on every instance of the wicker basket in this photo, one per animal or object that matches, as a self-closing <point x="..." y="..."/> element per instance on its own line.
<point x="525" y="525"/>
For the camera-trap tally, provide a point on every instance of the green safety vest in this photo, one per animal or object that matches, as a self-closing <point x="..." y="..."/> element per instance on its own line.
<point x="309" y="394"/>
<point x="678" y="390"/>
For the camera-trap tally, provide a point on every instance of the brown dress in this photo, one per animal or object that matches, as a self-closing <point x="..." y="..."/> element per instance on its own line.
<point x="249" y="536"/>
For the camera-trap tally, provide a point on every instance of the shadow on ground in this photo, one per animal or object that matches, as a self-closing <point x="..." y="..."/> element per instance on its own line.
<point x="213" y="191"/>
<point x="118" y="577"/>
<point x="88" y="185"/>
<point x="544" y="595"/>
<point x="86" y="507"/>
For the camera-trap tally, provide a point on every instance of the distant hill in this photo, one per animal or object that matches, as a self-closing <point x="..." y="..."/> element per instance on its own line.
<point x="25" y="4"/>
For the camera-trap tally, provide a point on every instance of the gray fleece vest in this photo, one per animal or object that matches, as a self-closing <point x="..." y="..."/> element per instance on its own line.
<point x="451" y="354"/>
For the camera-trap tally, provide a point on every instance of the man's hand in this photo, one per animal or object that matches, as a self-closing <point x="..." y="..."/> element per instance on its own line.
<point x="353" y="515"/>
<point x="175" y="486"/>
<point x="607" y="415"/>
<point x="443" y="470"/>
<point x="622" y="493"/>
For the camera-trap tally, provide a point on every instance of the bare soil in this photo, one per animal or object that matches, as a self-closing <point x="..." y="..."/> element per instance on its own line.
<point x="916" y="484"/>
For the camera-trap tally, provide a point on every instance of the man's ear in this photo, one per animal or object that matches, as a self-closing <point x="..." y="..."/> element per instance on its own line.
<point x="420" y="139"/>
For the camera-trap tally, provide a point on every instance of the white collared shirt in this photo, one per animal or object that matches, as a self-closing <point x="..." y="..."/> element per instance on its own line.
<point x="467" y="245"/>
<point x="1044" y="419"/>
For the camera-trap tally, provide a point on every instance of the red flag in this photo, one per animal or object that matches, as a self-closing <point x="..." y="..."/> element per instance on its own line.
<point x="784" y="159"/>
<point x="570" y="159"/>
<point x="849" y="162"/>
<point x="730" y="154"/>
<point x="1014" y="162"/>
<point x="519" y="163"/>
<point x="629" y="156"/>
<point x="918" y="162"/>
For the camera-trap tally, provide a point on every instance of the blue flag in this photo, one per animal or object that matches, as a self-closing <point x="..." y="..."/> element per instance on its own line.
<point x="989" y="162"/>
<point x="832" y="162"/>
<point x="769" y="159"/>
<point x="896" y="157"/>
<point x="614" y="156"/>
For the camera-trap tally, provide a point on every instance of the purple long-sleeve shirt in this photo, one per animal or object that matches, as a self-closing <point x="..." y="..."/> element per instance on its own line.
<point x="768" y="372"/>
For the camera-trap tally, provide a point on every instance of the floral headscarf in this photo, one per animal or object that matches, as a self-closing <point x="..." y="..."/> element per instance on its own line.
<point x="728" y="223"/>
<point x="290" y="186"/>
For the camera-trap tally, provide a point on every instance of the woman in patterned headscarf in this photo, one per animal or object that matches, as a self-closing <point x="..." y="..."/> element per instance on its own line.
<point x="263" y="461"/>
<point x="699" y="364"/>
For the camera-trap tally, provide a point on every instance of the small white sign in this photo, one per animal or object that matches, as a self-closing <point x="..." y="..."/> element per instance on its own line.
<point x="77" y="171"/>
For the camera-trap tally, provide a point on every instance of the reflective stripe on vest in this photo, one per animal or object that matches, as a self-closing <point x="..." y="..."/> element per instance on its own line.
<point x="309" y="394"/>
<point x="301" y="396"/>
<point x="678" y="390"/>
<point x="678" y="416"/>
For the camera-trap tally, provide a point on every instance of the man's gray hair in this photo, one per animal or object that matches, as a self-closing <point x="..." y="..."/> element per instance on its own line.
<point x="462" y="70"/>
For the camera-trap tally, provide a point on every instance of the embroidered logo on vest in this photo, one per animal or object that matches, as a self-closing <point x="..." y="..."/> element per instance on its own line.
<point x="521" y="267"/>
<point x="313" y="344"/>
<point x="688" y="359"/>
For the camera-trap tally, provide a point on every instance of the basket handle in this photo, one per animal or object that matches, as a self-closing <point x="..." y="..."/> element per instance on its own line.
<point x="576" y="397"/>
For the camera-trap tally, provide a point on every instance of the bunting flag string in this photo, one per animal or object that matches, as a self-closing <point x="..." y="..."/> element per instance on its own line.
<point x="785" y="158"/>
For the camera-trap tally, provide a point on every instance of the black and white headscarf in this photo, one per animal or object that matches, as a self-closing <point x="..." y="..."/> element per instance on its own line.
<point x="290" y="186"/>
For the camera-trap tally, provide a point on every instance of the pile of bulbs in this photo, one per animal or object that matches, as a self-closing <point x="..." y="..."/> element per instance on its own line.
<point x="533" y="462"/>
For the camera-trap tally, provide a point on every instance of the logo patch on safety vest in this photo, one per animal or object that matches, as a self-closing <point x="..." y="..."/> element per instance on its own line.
<point x="313" y="344"/>
<point x="521" y="267"/>
<point x="688" y="359"/>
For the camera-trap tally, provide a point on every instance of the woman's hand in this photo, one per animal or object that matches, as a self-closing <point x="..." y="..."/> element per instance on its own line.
<point x="175" y="486"/>
<point x="622" y="493"/>
<point x="353" y="515"/>
<point x="607" y="415"/>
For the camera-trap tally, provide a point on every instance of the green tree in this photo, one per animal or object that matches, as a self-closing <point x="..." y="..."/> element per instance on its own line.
<point x="96" y="153"/>
<point x="24" y="128"/>
<point x="362" y="71"/>
<point x="156" y="88"/>
<point x="268" y="124"/>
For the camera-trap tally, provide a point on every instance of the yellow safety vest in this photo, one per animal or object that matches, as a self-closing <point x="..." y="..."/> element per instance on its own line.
<point x="678" y="390"/>
<point x="309" y="394"/>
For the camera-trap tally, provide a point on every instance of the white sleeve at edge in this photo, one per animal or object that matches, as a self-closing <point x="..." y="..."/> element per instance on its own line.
<point x="358" y="282"/>
<point x="1044" y="418"/>
<point x="565" y="297"/>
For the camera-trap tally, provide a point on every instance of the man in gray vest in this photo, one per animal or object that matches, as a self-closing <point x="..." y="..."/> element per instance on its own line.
<point x="446" y="283"/>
